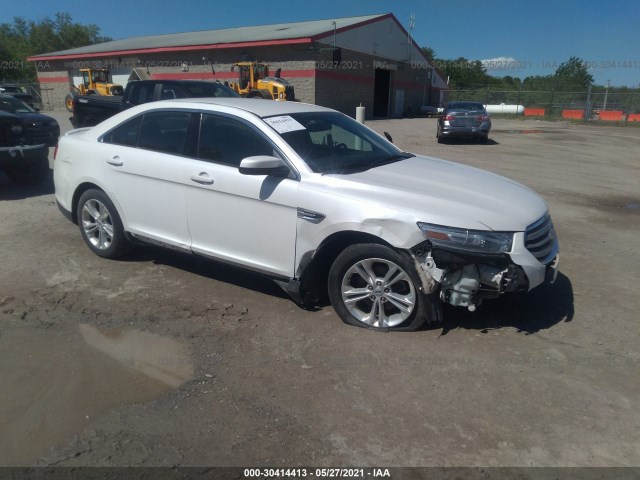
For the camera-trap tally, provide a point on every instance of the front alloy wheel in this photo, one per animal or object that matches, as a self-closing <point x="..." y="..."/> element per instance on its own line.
<point x="373" y="286"/>
<point x="378" y="293"/>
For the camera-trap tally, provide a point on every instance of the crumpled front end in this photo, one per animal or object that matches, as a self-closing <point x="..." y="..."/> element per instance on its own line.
<point x="466" y="278"/>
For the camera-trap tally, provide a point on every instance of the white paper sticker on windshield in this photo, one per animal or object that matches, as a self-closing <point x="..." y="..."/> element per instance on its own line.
<point x="284" y="124"/>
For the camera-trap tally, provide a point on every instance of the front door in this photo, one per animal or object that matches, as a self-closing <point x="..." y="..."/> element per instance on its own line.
<point x="246" y="219"/>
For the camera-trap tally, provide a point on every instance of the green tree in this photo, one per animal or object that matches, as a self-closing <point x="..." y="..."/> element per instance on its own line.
<point x="22" y="38"/>
<point x="573" y="75"/>
<point x="464" y="73"/>
<point x="430" y="53"/>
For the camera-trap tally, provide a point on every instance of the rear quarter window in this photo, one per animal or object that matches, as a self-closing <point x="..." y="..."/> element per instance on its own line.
<point x="126" y="134"/>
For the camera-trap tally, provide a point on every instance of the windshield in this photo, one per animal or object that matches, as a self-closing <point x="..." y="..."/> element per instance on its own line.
<point x="13" y="105"/>
<point x="202" y="90"/>
<point x="11" y="89"/>
<point x="465" y="106"/>
<point x="330" y="142"/>
<point x="100" y="76"/>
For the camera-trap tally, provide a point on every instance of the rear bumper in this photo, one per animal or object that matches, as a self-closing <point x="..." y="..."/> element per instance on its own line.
<point x="448" y="130"/>
<point x="480" y="131"/>
<point x="67" y="214"/>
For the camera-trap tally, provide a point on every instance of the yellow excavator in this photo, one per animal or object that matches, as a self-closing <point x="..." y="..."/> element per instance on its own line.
<point x="254" y="82"/>
<point x="95" y="81"/>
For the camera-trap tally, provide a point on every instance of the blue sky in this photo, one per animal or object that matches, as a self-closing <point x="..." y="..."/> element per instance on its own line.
<point x="535" y="36"/>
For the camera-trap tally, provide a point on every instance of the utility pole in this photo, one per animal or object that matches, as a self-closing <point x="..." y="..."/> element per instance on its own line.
<point x="587" y="106"/>
<point x="606" y="94"/>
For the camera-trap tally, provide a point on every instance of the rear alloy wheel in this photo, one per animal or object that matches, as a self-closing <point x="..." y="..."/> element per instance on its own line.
<point x="100" y="225"/>
<point x="373" y="286"/>
<point x="30" y="172"/>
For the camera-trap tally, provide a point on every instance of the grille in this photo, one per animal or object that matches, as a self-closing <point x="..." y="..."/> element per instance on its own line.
<point x="43" y="133"/>
<point x="8" y="139"/>
<point x="540" y="239"/>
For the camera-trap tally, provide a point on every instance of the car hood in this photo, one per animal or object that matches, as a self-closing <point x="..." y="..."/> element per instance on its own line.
<point x="444" y="193"/>
<point x="35" y="118"/>
<point x="7" y="115"/>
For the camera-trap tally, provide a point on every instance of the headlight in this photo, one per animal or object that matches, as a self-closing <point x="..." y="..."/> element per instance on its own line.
<point x="16" y="129"/>
<point x="467" y="240"/>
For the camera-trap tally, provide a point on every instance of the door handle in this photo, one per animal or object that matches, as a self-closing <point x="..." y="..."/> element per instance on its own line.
<point x="202" y="178"/>
<point x="115" y="161"/>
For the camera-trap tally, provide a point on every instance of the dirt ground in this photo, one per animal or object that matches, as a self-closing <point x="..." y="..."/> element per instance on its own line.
<point x="164" y="359"/>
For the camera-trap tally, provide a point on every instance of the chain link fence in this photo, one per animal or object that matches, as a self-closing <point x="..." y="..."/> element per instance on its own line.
<point x="607" y="106"/>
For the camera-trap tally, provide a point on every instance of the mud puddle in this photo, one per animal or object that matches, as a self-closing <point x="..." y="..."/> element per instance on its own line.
<point x="55" y="384"/>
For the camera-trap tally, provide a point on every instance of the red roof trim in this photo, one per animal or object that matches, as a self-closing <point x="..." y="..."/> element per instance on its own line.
<point x="225" y="75"/>
<point x="53" y="79"/>
<point x="115" y="53"/>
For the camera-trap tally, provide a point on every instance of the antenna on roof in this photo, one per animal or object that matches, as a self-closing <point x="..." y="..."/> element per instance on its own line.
<point x="412" y="23"/>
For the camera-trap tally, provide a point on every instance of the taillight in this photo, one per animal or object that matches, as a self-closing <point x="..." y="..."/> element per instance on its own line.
<point x="55" y="152"/>
<point x="482" y="118"/>
<point x="449" y="117"/>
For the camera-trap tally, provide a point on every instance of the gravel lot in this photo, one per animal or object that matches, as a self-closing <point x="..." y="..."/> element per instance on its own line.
<point x="165" y="359"/>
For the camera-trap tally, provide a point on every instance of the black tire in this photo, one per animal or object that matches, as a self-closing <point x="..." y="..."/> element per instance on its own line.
<point x="30" y="172"/>
<point x="379" y="296"/>
<point x="256" y="94"/>
<point x="107" y="239"/>
<point x="484" y="139"/>
<point x="440" y="139"/>
<point x="68" y="102"/>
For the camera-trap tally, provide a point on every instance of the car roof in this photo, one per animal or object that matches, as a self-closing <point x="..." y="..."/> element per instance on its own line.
<point x="260" y="107"/>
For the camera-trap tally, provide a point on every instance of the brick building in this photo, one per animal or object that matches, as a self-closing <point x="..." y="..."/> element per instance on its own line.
<point x="339" y="63"/>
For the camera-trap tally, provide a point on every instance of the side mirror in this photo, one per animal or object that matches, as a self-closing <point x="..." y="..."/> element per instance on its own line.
<point x="386" y="134"/>
<point x="264" y="165"/>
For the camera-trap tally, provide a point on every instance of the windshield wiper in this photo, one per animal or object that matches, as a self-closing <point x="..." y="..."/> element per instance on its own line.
<point x="362" y="167"/>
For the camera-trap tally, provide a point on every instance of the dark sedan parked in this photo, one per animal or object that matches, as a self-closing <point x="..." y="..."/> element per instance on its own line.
<point x="25" y="137"/>
<point x="464" y="120"/>
<point x="18" y="92"/>
<point x="38" y="128"/>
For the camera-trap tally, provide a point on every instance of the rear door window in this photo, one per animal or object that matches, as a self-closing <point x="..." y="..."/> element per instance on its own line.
<point x="171" y="132"/>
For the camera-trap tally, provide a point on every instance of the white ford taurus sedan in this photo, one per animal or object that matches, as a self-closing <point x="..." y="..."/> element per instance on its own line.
<point x="309" y="197"/>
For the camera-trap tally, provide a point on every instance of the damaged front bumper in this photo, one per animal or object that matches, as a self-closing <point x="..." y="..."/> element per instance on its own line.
<point x="466" y="279"/>
<point x="17" y="154"/>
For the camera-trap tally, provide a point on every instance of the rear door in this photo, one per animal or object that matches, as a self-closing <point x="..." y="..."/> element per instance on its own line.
<point x="146" y="160"/>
